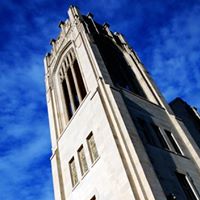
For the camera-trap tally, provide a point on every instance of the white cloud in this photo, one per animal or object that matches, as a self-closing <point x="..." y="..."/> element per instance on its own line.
<point x="175" y="56"/>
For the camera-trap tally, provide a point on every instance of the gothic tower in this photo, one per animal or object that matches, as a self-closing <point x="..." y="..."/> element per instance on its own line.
<point x="113" y="134"/>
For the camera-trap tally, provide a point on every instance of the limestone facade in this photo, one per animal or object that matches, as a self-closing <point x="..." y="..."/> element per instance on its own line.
<point x="113" y="134"/>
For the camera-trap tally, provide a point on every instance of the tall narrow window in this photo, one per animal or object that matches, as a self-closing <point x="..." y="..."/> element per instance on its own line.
<point x="187" y="186"/>
<point x="73" y="88"/>
<point x="174" y="144"/>
<point x="160" y="137"/>
<point x="82" y="160"/>
<point x="92" y="147"/>
<point x="72" y="84"/>
<point x="73" y="172"/>
<point x="79" y="79"/>
<point x="67" y="100"/>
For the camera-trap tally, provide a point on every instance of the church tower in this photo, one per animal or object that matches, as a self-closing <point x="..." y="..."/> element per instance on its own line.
<point x="113" y="135"/>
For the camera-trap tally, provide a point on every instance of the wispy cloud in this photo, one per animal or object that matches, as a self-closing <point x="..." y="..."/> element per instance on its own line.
<point x="175" y="56"/>
<point x="25" y="142"/>
<point x="25" y="146"/>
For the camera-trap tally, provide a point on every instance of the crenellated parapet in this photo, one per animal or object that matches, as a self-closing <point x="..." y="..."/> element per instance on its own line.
<point x="76" y="23"/>
<point x="66" y="34"/>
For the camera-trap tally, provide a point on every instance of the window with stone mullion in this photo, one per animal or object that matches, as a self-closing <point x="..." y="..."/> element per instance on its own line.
<point x="73" y="89"/>
<point x="70" y="59"/>
<point x="73" y="107"/>
<point x="79" y="78"/>
<point x="72" y="83"/>
<point x="75" y="78"/>
<point x="67" y="99"/>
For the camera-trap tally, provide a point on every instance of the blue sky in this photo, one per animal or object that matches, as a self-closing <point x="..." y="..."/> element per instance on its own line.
<point x="165" y="35"/>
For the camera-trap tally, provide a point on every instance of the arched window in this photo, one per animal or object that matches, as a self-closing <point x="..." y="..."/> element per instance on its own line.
<point x="119" y="70"/>
<point x="73" y="86"/>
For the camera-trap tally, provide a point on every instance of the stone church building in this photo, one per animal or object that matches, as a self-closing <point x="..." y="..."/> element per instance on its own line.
<point x="114" y="137"/>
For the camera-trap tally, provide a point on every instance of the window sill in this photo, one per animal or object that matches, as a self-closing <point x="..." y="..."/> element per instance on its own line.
<point x="178" y="154"/>
<point x="169" y="151"/>
<point x="124" y="90"/>
<point x="75" y="186"/>
<point x="83" y="176"/>
<point x="71" y="119"/>
<point x="95" y="161"/>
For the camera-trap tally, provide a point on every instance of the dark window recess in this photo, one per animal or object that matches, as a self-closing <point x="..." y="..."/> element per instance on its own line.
<point x="67" y="100"/>
<point x="144" y="131"/>
<point x="171" y="138"/>
<point x="120" y="72"/>
<point x="93" y="198"/>
<point x="187" y="186"/>
<point x="160" y="137"/>
<point x="73" y="88"/>
<point x="79" y="79"/>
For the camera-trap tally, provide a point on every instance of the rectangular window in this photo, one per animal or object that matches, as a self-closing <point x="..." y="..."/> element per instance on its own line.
<point x="160" y="137"/>
<point x="73" y="172"/>
<point x="82" y="160"/>
<point x="92" y="147"/>
<point x="187" y="186"/>
<point x="174" y="145"/>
